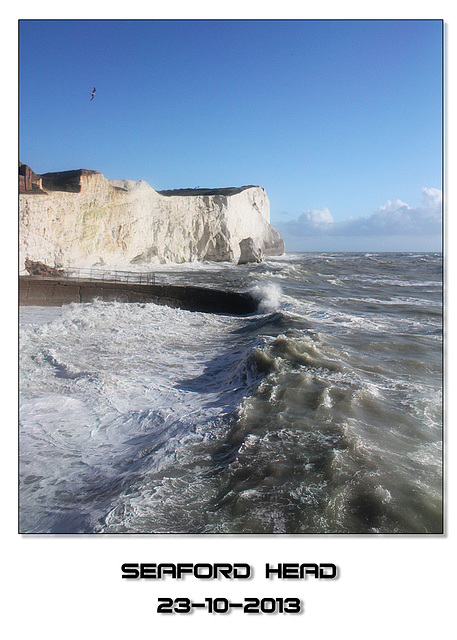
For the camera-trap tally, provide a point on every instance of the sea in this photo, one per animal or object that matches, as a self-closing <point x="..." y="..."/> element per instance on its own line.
<point x="321" y="413"/>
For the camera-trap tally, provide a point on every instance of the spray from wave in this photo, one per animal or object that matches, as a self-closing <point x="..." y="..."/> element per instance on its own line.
<point x="268" y="296"/>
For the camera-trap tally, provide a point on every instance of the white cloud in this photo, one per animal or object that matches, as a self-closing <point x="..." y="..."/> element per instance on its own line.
<point x="316" y="218"/>
<point x="395" y="218"/>
<point x="431" y="199"/>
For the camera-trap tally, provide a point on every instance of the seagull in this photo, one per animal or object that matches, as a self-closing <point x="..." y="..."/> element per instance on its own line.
<point x="93" y="94"/>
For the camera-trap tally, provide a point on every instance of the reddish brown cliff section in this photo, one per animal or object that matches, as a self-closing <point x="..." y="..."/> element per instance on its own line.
<point x="29" y="182"/>
<point x="69" y="181"/>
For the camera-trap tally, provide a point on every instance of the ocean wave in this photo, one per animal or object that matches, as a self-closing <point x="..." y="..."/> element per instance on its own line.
<point x="319" y="413"/>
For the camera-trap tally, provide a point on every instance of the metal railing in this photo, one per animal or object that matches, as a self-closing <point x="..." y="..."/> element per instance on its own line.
<point x="108" y="275"/>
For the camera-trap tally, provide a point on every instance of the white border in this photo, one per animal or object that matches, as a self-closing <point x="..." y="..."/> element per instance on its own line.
<point x="71" y="587"/>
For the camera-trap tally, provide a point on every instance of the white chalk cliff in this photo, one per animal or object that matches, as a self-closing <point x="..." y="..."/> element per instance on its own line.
<point x="80" y="219"/>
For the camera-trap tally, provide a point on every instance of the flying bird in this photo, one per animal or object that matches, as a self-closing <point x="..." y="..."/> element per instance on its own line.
<point x="92" y="94"/>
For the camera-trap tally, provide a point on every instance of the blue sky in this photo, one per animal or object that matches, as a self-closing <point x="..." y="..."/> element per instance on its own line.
<point x="340" y="121"/>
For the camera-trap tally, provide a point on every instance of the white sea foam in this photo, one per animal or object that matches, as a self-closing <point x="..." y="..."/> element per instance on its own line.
<point x="109" y="380"/>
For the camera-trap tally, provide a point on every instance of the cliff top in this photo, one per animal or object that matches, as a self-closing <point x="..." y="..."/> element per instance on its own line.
<point x="71" y="181"/>
<point x="72" y="173"/>
<point x="223" y="191"/>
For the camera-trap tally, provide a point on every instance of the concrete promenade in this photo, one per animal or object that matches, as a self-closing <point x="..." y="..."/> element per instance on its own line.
<point x="52" y="291"/>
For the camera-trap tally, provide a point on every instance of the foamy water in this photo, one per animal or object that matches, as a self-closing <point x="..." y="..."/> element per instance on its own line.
<point x="320" y="413"/>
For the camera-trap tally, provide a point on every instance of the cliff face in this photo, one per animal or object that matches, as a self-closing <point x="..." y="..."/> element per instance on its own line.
<point x="89" y="220"/>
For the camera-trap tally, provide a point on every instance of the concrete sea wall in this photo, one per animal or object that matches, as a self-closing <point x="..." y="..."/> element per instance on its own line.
<point x="42" y="291"/>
